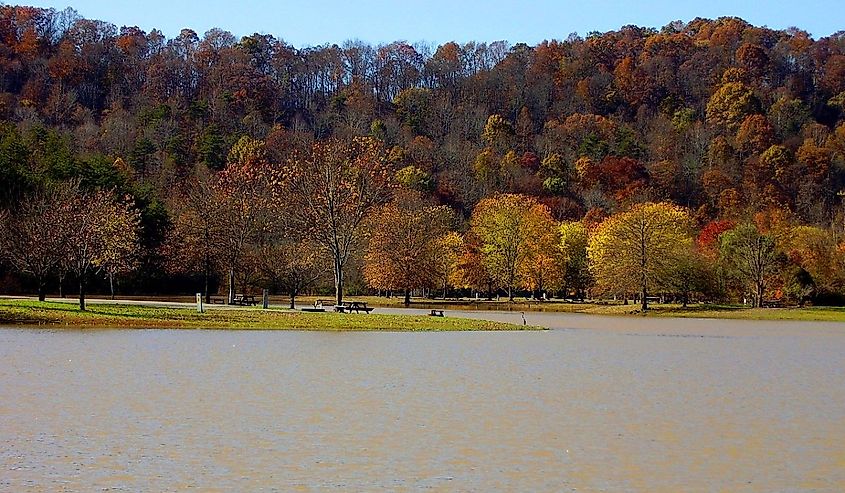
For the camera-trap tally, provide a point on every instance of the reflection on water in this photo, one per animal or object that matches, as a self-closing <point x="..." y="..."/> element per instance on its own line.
<point x="543" y="411"/>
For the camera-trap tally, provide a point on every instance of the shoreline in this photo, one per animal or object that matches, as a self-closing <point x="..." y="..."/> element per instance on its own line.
<point x="108" y="314"/>
<point x="394" y="306"/>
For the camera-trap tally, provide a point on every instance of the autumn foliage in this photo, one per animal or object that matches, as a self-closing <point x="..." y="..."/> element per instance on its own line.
<point x="215" y="156"/>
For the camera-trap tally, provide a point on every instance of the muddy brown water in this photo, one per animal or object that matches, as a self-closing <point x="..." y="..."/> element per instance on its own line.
<point x="610" y="405"/>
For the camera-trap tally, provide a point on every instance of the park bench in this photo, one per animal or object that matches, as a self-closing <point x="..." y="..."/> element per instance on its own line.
<point x="436" y="313"/>
<point x="354" y="306"/>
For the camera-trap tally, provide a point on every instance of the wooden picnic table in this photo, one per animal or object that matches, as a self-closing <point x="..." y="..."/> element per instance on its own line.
<point x="353" y="306"/>
<point x="244" y="300"/>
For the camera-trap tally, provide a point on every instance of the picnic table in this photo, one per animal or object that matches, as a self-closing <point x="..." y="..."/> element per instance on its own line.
<point x="244" y="300"/>
<point x="318" y="307"/>
<point x="353" y="306"/>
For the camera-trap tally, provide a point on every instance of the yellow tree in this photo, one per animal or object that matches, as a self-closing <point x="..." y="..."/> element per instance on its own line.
<point x="573" y="248"/>
<point x="543" y="266"/>
<point x="402" y="252"/>
<point x="505" y="226"/>
<point x="637" y="250"/>
<point x="449" y="248"/>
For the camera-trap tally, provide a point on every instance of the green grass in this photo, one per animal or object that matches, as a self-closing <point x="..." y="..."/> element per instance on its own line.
<point x="20" y="312"/>
<point x="614" y="308"/>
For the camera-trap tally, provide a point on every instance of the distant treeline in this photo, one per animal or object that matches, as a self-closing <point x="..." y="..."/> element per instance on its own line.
<point x="735" y="131"/>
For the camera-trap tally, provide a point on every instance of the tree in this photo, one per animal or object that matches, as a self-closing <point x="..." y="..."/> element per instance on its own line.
<point x="505" y="225"/>
<point x="752" y="256"/>
<point x="731" y="104"/>
<point x="194" y="243"/>
<point x="543" y="266"/>
<point x="33" y="238"/>
<point x="94" y="219"/>
<point x="637" y="249"/>
<point x="402" y="251"/>
<point x="120" y="241"/>
<point x="573" y="246"/>
<point x="449" y="248"/>
<point x="244" y="196"/>
<point x="291" y="265"/>
<point x="332" y="188"/>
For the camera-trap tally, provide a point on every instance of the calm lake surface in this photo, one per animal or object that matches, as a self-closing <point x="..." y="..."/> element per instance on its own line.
<point x="648" y="406"/>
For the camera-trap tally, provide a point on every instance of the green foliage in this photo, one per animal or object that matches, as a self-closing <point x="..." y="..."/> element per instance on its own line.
<point x="212" y="148"/>
<point x="555" y="185"/>
<point x="415" y="179"/>
<point x="412" y="107"/>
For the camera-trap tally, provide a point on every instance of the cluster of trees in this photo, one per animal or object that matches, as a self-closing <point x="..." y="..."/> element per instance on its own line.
<point x="250" y="162"/>
<point x="64" y="230"/>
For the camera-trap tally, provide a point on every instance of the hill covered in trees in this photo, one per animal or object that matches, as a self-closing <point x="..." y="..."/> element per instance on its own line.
<point x="214" y="147"/>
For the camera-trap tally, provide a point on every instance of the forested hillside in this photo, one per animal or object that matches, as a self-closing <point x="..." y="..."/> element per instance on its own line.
<point x="213" y="148"/>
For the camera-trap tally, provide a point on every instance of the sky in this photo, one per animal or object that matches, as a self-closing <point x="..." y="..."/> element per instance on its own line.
<point x="317" y="22"/>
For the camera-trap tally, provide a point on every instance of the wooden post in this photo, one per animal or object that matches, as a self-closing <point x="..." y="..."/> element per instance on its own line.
<point x="199" y="303"/>
<point x="266" y="299"/>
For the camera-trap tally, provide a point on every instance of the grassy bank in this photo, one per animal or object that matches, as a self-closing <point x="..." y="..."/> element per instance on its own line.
<point x="739" y="312"/>
<point x="19" y="312"/>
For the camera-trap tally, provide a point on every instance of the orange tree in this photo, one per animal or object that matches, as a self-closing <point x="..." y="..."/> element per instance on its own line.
<point x="402" y="251"/>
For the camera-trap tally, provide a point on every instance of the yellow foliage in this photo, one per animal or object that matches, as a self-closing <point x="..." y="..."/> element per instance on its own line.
<point x="636" y="250"/>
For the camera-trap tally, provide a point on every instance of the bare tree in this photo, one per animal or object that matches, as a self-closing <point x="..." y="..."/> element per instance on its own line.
<point x="33" y="237"/>
<point x="333" y="187"/>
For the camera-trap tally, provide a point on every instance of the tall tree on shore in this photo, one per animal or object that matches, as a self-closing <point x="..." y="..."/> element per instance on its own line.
<point x="636" y="250"/>
<point x="573" y="247"/>
<point x="332" y="188"/>
<point x="506" y="225"/>
<point x="244" y="202"/>
<point x="291" y="265"/>
<point x="33" y="237"/>
<point x="751" y="256"/>
<point x="194" y="242"/>
<point x="402" y="250"/>
<point x="120" y="243"/>
<point x="94" y="218"/>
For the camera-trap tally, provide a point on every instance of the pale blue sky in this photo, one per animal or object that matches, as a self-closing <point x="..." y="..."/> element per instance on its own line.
<point x="333" y="21"/>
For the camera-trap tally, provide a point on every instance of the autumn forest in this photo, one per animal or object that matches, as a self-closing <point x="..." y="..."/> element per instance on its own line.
<point x="698" y="161"/>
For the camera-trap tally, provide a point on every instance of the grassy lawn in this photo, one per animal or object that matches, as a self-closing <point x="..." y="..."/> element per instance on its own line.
<point x="740" y="312"/>
<point x="19" y="312"/>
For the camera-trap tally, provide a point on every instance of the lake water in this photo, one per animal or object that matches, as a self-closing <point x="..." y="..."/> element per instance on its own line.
<point x="648" y="406"/>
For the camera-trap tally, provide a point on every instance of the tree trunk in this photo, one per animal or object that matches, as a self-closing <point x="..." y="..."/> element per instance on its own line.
<point x="407" y="297"/>
<point x="292" y="299"/>
<point x="42" y="291"/>
<point x="205" y="284"/>
<point x="645" y="299"/>
<point x="231" y="297"/>
<point x="111" y="284"/>
<point x="61" y="286"/>
<point x="338" y="282"/>
<point x="510" y="293"/>
<point x="82" y="292"/>
<point x="758" y="301"/>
